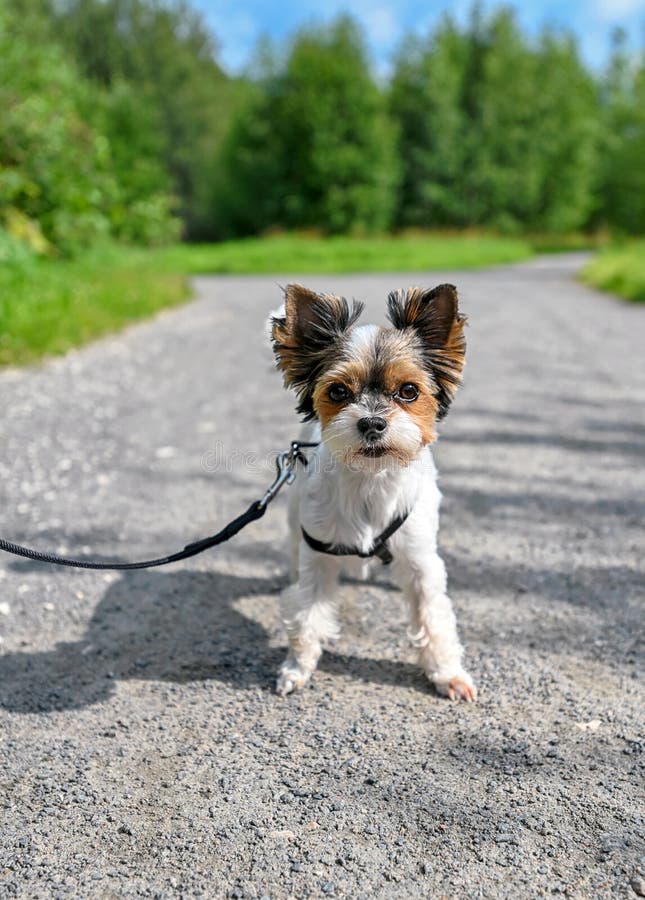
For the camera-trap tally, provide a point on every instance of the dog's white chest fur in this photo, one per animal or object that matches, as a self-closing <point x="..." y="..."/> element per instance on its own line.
<point x="347" y="506"/>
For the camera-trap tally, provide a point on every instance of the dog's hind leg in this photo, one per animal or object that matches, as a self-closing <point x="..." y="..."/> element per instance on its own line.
<point x="309" y="615"/>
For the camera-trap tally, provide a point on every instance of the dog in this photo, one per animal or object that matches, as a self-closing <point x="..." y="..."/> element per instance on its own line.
<point x="371" y="397"/>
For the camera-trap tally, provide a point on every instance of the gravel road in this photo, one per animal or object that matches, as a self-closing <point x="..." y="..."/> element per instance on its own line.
<point x="144" y="752"/>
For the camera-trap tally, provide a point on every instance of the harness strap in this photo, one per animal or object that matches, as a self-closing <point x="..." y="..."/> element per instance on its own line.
<point x="379" y="547"/>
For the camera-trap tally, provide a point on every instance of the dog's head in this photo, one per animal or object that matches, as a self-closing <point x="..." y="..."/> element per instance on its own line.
<point x="377" y="392"/>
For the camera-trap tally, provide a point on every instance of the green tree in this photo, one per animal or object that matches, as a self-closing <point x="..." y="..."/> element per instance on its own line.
<point x="60" y="187"/>
<point x="493" y="130"/>
<point x="426" y="101"/>
<point x="314" y="146"/>
<point x="565" y="136"/>
<point x="166" y="55"/>
<point x="622" y="166"/>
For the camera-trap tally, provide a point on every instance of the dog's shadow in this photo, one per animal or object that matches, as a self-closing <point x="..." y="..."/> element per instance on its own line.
<point x="174" y="627"/>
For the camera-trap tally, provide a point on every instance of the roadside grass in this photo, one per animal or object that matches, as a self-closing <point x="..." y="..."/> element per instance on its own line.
<point x="50" y="306"/>
<point x="309" y="255"/>
<point x="619" y="269"/>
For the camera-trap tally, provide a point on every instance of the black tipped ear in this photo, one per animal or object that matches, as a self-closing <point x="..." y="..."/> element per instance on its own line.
<point x="435" y="318"/>
<point x="301" y="307"/>
<point x="432" y="311"/>
<point x="305" y="337"/>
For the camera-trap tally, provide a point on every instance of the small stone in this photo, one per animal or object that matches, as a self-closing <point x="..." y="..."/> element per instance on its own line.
<point x="593" y="725"/>
<point x="165" y="452"/>
<point x="5" y="609"/>
<point x="611" y="842"/>
<point x="328" y="887"/>
<point x="637" y="884"/>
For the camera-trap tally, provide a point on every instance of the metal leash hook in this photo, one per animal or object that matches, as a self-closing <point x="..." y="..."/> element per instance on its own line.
<point x="285" y="464"/>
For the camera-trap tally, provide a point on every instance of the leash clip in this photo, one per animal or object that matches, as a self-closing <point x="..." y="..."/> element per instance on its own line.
<point x="284" y="464"/>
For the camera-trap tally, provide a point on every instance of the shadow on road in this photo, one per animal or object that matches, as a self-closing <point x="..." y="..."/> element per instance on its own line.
<point x="175" y="627"/>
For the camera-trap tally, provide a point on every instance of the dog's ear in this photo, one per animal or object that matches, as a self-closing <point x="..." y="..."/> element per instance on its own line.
<point x="306" y="335"/>
<point x="434" y="316"/>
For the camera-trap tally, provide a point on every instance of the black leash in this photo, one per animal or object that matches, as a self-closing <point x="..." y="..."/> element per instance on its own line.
<point x="285" y="464"/>
<point x="379" y="547"/>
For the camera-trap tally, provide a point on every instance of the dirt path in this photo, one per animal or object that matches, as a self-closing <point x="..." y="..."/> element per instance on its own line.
<point x="144" y="752"/>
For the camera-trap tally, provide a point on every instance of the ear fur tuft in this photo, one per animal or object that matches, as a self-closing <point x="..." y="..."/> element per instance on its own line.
<point x="435" y="318"/>
<point x="307" y="336"/>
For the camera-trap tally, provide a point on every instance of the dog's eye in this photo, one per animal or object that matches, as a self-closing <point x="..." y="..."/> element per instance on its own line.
<point x="407" y="392"/>
<point x="338" y="393"/>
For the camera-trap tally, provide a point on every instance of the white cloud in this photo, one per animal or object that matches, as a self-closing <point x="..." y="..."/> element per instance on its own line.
<point x="617" y="10"/>
<point x="381" y="26"/>
<point x="236" y="33"/>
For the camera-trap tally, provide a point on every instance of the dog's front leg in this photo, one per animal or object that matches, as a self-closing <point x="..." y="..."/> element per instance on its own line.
<point x="309" y="615"/>
<point x="434" y="627"/>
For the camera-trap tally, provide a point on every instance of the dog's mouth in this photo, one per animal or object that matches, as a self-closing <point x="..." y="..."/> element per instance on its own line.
<point x="373" y="452"/>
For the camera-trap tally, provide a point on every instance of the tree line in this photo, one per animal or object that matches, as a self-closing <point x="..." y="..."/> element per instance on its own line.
<point x="117" y="120"/>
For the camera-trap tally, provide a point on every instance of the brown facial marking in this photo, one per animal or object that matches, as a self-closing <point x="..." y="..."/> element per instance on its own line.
<point x="423" y="410"/>
<point x="434" y="317"/>
<point x="352" y="374"/>
<point x="397" y="364"/>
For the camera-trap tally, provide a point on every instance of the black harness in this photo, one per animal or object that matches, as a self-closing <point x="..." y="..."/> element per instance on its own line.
<point x="379" y="547"/>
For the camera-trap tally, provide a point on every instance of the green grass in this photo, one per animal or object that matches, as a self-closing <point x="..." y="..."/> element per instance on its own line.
<point x="50" y="306"/>
<point x="619" y="269"/>
<point x="47" y="306"/>
<point x="285" y="254"/>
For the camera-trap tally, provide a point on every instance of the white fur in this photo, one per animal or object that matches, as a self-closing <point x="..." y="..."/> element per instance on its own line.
<point x="361" y="337"/>
<point x="268" y="324"/>
<point x="342" y="501"/>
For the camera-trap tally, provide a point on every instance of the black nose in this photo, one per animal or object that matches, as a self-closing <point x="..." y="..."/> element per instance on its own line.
<point x="372" y="427"/>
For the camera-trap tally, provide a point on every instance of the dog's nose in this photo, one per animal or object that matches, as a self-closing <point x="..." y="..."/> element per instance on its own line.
<point x="372" y="427"/>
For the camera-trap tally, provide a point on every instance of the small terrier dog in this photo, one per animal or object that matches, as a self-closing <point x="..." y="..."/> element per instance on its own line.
<point x="371" y="396"/>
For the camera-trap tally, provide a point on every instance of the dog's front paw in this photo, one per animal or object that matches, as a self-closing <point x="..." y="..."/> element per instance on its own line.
<point x="459" y="687"/>
<point x="291" y="678"/>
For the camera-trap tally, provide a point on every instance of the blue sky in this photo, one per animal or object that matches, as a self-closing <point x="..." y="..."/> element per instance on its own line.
<point x="238" y="24"/>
